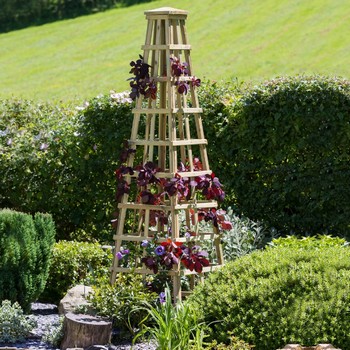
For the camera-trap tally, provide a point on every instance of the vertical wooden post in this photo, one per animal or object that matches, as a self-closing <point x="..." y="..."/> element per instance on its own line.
<point x="168" y="140"/>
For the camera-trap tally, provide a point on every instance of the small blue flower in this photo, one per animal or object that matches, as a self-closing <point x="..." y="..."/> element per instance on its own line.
<point x="120" y="255"/>
<point x="162" y="297"/>
<point x="144" y="243"/>
<point x="160" y="250"/>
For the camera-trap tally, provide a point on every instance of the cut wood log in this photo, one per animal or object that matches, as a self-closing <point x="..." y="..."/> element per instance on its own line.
<point x="82" y="331"/>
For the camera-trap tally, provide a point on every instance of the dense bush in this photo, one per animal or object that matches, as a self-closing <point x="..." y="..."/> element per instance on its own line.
<point x="74" y="263"/>
<point x="297" y="292"/>
<point x="36" y="160"/>
<point x="16" y="14"/>
<point x="14" y="325"/>
<point x="218" y="99"/>
<point x="57" y="159"/>
<point x="287" y="151"/>
<point x="25" y="254"/>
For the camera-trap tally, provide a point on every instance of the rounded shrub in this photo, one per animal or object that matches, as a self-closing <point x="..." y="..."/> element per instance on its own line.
<point x="287" y="145"/>
<point x="25" y="254"/>
<point x="73" y="263"/>
<point x="297" y="292"/>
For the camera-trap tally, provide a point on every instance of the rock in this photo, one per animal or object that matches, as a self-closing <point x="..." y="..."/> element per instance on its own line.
<point x="97" y="347"/>
<point x="317" y="347"/>
<point x="84" y="331"/>
<point x="75" y="297"/>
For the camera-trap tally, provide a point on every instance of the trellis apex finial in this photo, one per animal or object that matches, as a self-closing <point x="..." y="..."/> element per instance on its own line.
<point x="166" y="11"/>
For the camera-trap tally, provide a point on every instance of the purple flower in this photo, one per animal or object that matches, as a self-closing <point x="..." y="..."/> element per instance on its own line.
<point x="162" y="297"/>
<point x="144" y="243"/>
<point x="160" y="250"/>
<point x="187" y="235"/>
<point x="120" y="255"/>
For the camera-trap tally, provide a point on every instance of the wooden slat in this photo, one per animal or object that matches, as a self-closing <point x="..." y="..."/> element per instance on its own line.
<point x="136" y="238"/>
<point x="185" y="272"/>
<point x="161" y="110"/>
<point x="184" y="173"/>
<point x="168" y="143"/>
<point x="166" y="47"/>
<point x="168" y="175"/>
<point x="179" y="206"/>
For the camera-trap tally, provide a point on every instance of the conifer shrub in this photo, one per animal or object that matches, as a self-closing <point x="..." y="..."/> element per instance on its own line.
<point x="75" y="263"/>
<point x="25" y="254"/>
<point x="286" y="147"/>
<point x="293" y="292"/>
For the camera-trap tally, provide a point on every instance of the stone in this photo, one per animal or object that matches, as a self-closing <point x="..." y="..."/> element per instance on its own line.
<point x="76" y="296"/>
<point x="97" y="347"/>
<point x="317" y="347"/>
<point x="83" y="331"/>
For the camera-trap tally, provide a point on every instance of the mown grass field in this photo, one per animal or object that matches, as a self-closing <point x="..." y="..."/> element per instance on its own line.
<point x="250" y="40"/>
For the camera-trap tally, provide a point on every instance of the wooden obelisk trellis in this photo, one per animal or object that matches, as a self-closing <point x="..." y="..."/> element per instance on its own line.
<point x="167" y="141"/>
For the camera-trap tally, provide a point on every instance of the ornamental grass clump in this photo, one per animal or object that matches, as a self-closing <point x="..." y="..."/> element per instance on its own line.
<point x="172" y="327"/>
<point x="297" y="291"/>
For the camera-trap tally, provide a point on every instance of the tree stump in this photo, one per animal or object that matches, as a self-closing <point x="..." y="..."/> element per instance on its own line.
<point x="84" y="330"/>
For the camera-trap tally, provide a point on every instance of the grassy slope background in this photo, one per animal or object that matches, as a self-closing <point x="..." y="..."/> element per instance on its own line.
<point x="247" y="39"/>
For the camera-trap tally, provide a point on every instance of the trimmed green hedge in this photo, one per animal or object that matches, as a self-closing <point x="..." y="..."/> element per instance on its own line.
<point x="75" y="263"/>
<point x="287" y="150"/>
<point x="298" y="292"/>
<point x="61" y="160"/>
<point x="25" y="255"/>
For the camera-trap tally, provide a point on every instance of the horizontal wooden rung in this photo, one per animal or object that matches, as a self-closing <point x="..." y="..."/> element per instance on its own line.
<point x="168" y="142"/>
<point x="184" y="174"/>
<point x="184" y="272"/>
<point x="185" y="205"/>
<point x="205" y="270"/>
<point x="167" y="110"/>
<point x="166" y="47"/>
<point x="133" y="238"/>
<point x="167" y="175"/>
<point x="163" y="79"/>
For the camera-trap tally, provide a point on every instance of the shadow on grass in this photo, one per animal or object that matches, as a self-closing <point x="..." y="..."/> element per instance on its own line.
<point x="22" y="14"/>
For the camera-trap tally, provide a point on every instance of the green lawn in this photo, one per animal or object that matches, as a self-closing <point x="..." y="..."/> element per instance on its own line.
<point x="247" y="39"/>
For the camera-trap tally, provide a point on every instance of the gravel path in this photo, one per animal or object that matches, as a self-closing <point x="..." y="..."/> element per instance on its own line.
<point x="46" y="315"/>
